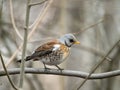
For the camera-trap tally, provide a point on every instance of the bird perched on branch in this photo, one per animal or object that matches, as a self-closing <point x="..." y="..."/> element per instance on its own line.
<point x="53" y="52"/>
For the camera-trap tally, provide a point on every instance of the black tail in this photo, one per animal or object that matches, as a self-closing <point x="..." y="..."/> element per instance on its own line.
<point x="19" y="60"/>
<point x="27" y="59"/>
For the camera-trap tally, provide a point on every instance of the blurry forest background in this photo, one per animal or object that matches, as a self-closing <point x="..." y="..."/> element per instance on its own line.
<point x="63" y="16"/>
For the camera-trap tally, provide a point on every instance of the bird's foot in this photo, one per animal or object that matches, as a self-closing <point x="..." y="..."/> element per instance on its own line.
<point x="59" y="68"/>
<point x="47" y="69"/>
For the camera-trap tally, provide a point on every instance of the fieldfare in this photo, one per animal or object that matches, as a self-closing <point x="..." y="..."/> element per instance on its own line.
<point x="53" y="52"/>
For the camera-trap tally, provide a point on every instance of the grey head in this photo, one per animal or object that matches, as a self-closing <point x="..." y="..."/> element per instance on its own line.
<point x="69" y="40"/>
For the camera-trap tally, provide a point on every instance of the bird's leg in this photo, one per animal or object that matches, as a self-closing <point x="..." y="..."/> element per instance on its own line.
<point x="46" y="67"/>
<point x="59" y="67"/>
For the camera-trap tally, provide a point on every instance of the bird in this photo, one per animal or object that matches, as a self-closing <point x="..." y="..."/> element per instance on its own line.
<point x="53" y="52"/>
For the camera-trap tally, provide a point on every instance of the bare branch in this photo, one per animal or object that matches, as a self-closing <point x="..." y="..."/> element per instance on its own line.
<point x="93" y="50"/>
<point x="39" y="15"/>
<point x="38" y="3"/>
<point x="97" y="65"/>
<point x="70" y="73"/>
<point x="6" y="72"/>
<point x="30" y="34"/>
<point x="13" y="21"/>
<point x="13" y="55"/>
<point x="24" y="45"/>
<point x="90" y="26"/>
<point x="1" y="7"/>
<point x="40" y="18"/>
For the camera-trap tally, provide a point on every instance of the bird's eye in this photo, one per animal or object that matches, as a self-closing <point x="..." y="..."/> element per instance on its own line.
<point x="71" y="40"/>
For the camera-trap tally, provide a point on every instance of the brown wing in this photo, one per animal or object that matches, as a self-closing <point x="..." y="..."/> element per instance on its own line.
<point x="46" y="46"/>
<point x="43" y="50"/>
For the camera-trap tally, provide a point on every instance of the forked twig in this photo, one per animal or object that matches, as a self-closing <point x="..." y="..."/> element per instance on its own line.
<point x="13" y="55"/>
<point x="38" y="3"/>
<point x="13" y="21"/>
<point x="39" y="15"/>
<point x="30" y="34"/>
<point x="40" y="18"/>
<point x="90" y="26"/>
<point x="7" y="74"/>
<point x="97" y="65"/>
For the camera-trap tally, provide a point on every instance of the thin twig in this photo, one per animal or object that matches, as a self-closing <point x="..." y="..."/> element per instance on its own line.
<point x="93" y="50"/>
<point x="6" y="72"/>
<point x="13" y="55"/>
<point x="71" y="73"/>
<point x="13" y="21"/>
<point x="31" y="33"/>
<point x="90" y="26"/>
<point x="38" y="3"/>
<point x="24" y="45"/>
<point x="40" y="18"/>
<point x="1" y="8"/>
<point x="96" y="66"/>
<point x="39" y="15"/>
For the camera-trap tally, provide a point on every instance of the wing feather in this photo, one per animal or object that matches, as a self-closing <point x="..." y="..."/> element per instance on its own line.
<point x="43" y="50"/>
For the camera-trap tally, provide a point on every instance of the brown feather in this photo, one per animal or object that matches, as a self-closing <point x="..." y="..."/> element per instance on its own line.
<point x="47" y="46"/>
<point x="43" y="50"/>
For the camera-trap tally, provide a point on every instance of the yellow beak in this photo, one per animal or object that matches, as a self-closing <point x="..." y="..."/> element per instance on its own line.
<point x="77" y="42"/>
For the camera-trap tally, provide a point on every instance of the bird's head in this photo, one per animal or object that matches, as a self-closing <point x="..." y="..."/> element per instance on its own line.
<point x="69" y="40"/>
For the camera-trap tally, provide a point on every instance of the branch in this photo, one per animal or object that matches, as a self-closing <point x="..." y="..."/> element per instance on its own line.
<point x="39" y="15"/>
<point x="13" y="20"/>
<point x="90" y="26"/>
<point x="1" y="9"/>
<point x="98" y="64"/>
<point x="71" y="73"/>
<point x="6" y="72"/>
<point x="38" y="3"/>
<point x="40" y="18"/>
<point x="24" y="46"/>
<point x="31" y="33"/>
<point x="93" y="50"/>
<point x="13" y="55"/>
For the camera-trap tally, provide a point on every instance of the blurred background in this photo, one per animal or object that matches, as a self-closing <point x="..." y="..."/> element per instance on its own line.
<point x="64" y="16"/>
